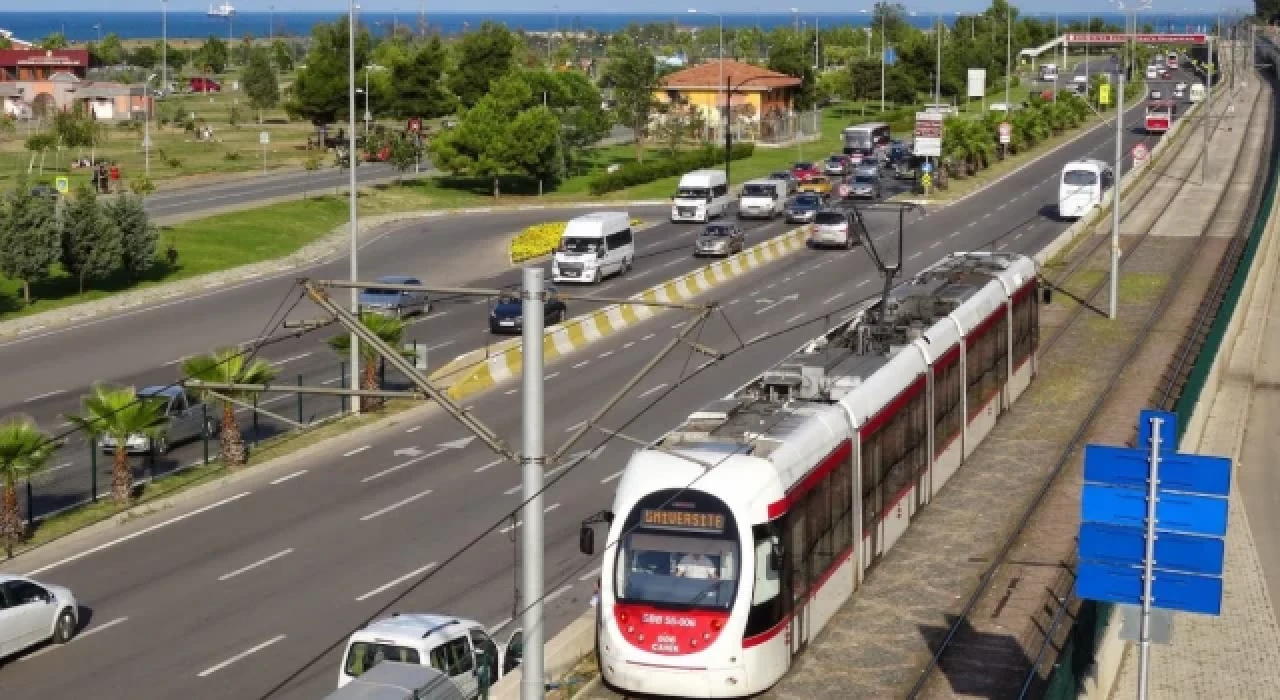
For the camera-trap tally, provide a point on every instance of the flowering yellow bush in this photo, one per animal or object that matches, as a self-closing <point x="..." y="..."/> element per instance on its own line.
<point x="541" y="239"/>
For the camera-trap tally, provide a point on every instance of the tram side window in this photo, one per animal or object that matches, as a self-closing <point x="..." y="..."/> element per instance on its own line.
<point x="988" y="364"/>
<point x="797" y="552"/>
<point x="946" y="395"/>
<point x="896" y="453"/>
<point x="1025" y="317"/>
<point x="871" y="474"/>
<point x="818" y="505"/>
<point x="842" y="506"/>
<point x="767" y="603"/>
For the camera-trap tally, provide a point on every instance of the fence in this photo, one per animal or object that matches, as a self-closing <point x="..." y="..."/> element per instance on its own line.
<point x="773" y="130"/>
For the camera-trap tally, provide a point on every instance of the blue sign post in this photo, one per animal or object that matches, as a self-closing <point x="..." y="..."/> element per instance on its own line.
<point x="890" y="56"/>
<point x="1153" y="527"/>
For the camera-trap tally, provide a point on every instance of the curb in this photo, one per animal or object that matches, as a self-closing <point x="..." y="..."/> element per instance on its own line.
<point x="482" y="369"/>
<point x="313" y="253"/>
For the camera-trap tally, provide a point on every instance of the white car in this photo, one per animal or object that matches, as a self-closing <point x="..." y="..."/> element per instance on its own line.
<point x="31" y="613"/>
<point x="1180" y="87"/>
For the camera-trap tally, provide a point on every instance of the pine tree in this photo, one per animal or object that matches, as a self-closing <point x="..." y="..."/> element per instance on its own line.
<point x="138" y="237"/>
<point x="28" y="237"/>
<point x="260" y="81"/>
<point x="90" y="241"/>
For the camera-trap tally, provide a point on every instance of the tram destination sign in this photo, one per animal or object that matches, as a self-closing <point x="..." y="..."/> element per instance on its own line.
<point x="682" y="520"/>
<point x="1120" y="38"/>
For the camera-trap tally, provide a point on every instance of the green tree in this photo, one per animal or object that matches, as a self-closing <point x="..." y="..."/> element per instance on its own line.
<point x="320" y="88"/>
<point x="25" y="451"/>
<point x="229" y="366"/>
<point x="481" y="57"/>
<point x="790" y="55"/>
<point x="864" y="79"/>
<point x="54" y="41"/>
<point x="417" y="85"/>
<point x="91" y="246"/>
<point x="389" y="330"/>
<point x="281" y="55"/>
<point x="143" y="57"/>
<point x="5" y="43"/>
<point x="38" y="143"/>
<point x="111" y="51"/>
<point x="138" y="236"/>
<point x="260" y="82"/>
<point x="212" y="56"/>
<point x="77" y="128"/>
<point x="577" y="105"/>
<point x="632" y="72"/>
<point x="899" y="87"/>
<point x="404" y="152"/>
<point x="120" y="413"/>
<point x="28" y="237"/>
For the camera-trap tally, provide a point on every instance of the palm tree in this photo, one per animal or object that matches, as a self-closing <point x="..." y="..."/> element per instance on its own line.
<point x="229" y="366"/>
<point x="120" y="413"/>
<point x="24" y="452"/>
<point x="391" y="331"/>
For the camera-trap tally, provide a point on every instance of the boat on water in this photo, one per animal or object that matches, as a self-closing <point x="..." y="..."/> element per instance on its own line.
<point x="223" y="10"/>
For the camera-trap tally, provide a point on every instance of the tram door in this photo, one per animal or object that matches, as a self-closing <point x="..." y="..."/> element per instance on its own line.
<point x="799" y="561"/>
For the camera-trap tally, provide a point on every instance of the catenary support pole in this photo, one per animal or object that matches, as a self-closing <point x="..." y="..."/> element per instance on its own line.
<point x="1148" y="558"/>
<point x="351" y="183"/>
<point x="1115" y="197"/>
<point x="532" y="461"/>
<point x="1209" y="74"/>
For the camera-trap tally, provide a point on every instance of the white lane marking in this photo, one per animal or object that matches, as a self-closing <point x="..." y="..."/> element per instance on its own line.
<point x="611" y="477"/>
<point x="647" y="337"/>
<point x="1017" y="236"/>
<point x="624" y="347"/>
<point x="987" y="215"/>
<point x="971" y="224"/>
<point x="650" y="391"/>
<point x="606" y="354"/>
<point x="673" y="262"/>
<point x="490" y="465"/>
<point x="791" y="320"/>
<point x="863" y="283"/>
<point x="520" y="523"/>
<point x="287" y="477"/>
<point x="953" y="234"/>
<point x="553" y="375"/>
<point x="575" y="426"/>
<point x="494" y="629"/>
<point x="677" y="325"/>
<point x="174" y="362"/>
<point x="393" y="506"/>
<point x="590" y="574"/>
<point x="356" y="451"/>
<point x="936" y="244"/>
<point x="758" y="338"/>
<point x="833" y="297"/>
<point x="1002" y="206"/>
<point x="392" y="584"/>
<point x="772" y="285"/>
<point x="437" y="346"/>
<point x="291" y="359"/>
<point x="414" y="429"/>
<point x="64" y="465"/>
<point x="435" y="315"/>
<point x="509" y="392"/>
<point x="732" y="302"/>
<point x="556" y="593"/>
<point x="87" y="633"/>
<point x="330" y="381"/>
<point x="45" y="395"/>
<point x="256" y="564"/>
<point x="582" y="364"/>
<point x="398" y="467"/>
<point x="913" y="256"/>
<point x="133" y="535"/>
<point x="238" y="657"/>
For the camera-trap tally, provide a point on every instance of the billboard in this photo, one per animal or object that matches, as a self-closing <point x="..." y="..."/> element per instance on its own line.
<point x="928" y="134"/>
<point x="977" y="82"/>
<point x="1105" y="38"/>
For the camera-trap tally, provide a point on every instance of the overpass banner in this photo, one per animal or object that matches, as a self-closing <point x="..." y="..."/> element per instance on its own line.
<point x="1103" y="38"/>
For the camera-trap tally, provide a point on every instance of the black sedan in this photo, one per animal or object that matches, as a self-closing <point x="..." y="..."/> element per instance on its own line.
<point x="507" y="315"/>
<point x="803" y="208"/>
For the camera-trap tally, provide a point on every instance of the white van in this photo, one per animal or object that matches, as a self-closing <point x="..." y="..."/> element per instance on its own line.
<point x="762" y="199"/>
<point x="394" y="680"/>
<point x="450" y="645"/>
<point x="1081" y="187"/>
<point x="701" y="195"/>
<point x="593" y="246"/>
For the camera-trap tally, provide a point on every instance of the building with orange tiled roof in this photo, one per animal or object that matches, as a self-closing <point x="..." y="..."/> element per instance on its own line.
<point x="756" y="92"/>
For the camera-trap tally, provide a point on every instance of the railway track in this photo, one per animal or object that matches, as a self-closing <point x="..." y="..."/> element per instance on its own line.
<point x="960" y="650"/>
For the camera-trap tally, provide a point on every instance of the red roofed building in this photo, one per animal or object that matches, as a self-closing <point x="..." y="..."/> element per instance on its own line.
<point x="42" y="64"/>
<point x="37" y="82"/>
<point x="756" y="92"/>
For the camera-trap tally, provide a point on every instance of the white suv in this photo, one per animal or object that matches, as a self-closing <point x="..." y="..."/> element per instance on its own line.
<point x="31" y="613"/>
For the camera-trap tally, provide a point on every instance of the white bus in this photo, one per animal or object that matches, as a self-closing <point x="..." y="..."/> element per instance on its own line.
<point x="1197" y="92"/>
<point x="1048" y="72"/>
<point x="864" y="139"/>
<point x="1081" y="186"/>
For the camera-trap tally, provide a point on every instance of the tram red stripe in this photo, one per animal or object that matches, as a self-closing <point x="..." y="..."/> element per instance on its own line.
<point x="758" y="639"/>
<point x="887" y="413"/>
<point x="828" y="464"/>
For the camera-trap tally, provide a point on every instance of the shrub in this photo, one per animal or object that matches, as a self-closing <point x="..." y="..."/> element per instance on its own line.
<point x="644" y="172"/>
<point x="541" y="239"/>
<point x="231" y="155"/>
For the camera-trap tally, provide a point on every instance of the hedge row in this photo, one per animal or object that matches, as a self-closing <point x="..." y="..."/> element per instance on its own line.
<point x="647" y="171"/>
<point x="540" y="239"/>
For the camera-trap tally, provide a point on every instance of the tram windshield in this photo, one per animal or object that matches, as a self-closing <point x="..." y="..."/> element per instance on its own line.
<point x="682" y="554"/>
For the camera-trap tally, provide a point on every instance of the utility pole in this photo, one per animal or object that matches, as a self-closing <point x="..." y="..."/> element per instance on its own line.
<point x="1209" y="74"/>
<point x="351" y="183"/>
<point x="882" y="57"/>
<point x="164" y="45"/>
<point x="532" y="463"/>
<point x="1008" y="57"/>
<point x="1115" y="197"/>
<point x="937" y="70"/>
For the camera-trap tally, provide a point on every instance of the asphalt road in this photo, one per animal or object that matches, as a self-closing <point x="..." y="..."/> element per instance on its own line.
<point x="235" y="590"/>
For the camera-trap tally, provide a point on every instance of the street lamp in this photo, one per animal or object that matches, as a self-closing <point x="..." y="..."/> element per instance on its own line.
<point x="351" y="183"/>
<point x="164" y="44"/>
<point x="1008" y="56"/>
<point x="551" y="36"/>
<point x="724" y="118"/>
<point x="883" y="14"/>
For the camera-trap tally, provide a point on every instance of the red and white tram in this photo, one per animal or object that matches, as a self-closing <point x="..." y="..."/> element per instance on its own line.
<point x="1159" y="116"/>
<point x="735" y="532"/>
<point x="1171" y="59"/>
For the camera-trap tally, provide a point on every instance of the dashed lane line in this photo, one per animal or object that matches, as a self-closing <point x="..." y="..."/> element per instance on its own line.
<point x="261" y="562"/>
<point x="287" y="477"/>
<point x="240" y="657"/>
<point x="398" y="504"/>
<point x="357" y="451"/>
<point x="395" y="582"/>
<point x="650" y="391"/>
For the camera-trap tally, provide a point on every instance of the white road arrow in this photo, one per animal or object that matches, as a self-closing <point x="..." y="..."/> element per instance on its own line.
<point x="789" y="297"/>
<point x="458" y="444"/>
<point x="407" y="452"/>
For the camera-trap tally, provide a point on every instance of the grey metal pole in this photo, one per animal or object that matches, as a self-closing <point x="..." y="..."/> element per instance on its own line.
<point x="533" y="460"/>
<point x="164" y="45"/>
<point x="351" y="183"/>
<point x="882" y="47"/>
<point x="1209" y="74"/>
<point x="1115" y="196"/>
<point x="1008" y="57"/>
<point x="1148" y="559"/>
<point x="937" y="70"/>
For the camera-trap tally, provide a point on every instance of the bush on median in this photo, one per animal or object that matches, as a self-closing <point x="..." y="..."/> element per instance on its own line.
<point x="540" y="239"/>
<point x="643" y="172"/>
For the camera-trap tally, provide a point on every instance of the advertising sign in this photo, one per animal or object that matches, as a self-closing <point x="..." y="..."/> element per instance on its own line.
<point x="1006" y="132"/>
<point x="977" y="82"/>
<point x="1104" y="94"/>
<point x="1139" y="153"/>
<point x="1105" y="38"/>
<point x="928" y="134"/>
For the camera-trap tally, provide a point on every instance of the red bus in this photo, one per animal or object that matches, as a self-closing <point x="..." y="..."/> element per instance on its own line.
<point x="1159" y="116"/>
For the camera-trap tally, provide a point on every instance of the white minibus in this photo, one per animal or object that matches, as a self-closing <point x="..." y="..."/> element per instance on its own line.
<point x="594" y="246"/>
<point x="762" y="199"/>
<point x="701" y="195"/>
<point x="1081" y="187"/>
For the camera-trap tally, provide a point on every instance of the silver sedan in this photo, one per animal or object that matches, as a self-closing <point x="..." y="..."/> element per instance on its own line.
<point x="720" y="239"/>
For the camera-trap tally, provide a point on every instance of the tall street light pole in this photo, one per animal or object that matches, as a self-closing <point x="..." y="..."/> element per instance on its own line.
<point x="882" y="57"/>
<point x="164" y="45"/>
<point x="937" y="71"/>
<point x="351" y="184"/>
<point x="724" y="106"/>
<point x="1008" y="56"/>
<point x="533" y="462"/>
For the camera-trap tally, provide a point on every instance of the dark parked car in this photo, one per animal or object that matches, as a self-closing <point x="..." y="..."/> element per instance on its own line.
<point x="907" y="168"/>
<point x="803" y="208"/>
<point x="720" y="239"/>
<point x="395" y="303"/>
<point x="865" y="185"/>
<point x="507" y="315"/>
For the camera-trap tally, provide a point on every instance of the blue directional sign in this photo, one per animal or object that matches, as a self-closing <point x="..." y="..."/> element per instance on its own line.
<point x="890" y="56"/>
<point x="1188" y="530"/>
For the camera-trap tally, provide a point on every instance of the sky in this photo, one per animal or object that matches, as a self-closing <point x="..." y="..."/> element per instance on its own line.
<point x="590" y="6"/>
